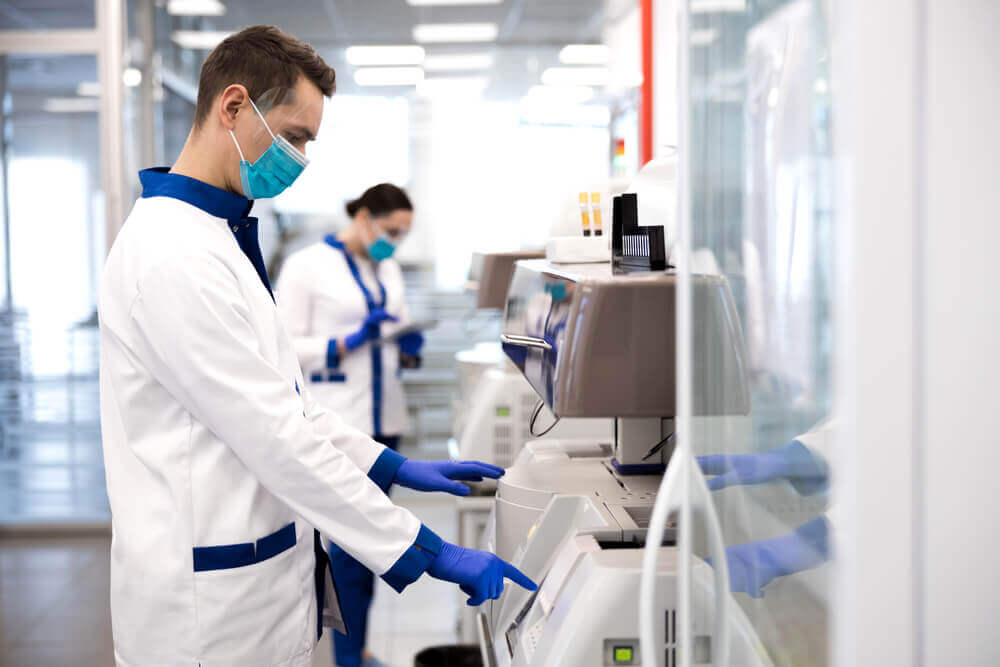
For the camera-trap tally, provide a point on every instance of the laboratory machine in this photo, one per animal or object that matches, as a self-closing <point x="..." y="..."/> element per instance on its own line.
<point x="496" y="407"/>
<point x="572" y="512"/>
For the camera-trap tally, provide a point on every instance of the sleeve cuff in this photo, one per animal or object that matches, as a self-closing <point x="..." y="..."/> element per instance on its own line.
<point x="332" y="358"/>
<point x="383" y="471"/>
<point x="414" y="561"/>
<point x="808" y="473"/>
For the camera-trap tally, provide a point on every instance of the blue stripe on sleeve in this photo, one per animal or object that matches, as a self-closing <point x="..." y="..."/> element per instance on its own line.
<point x="383" y="471"/>
<point x="414" y="561"/>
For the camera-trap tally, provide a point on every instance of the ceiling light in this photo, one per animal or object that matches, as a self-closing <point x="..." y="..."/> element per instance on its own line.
<point x="458" y="86"/>
<point x="717" y="6"/>
<point x="455" y="32"/>
<point x="131" y="77"/>
<point x="199" y="40"/>
<point x="443" y="62"/>
<point x="384" y="55"/>
<point x="88" y="89"/>
<point x="703" y="37"/>
<point x="593" y="115"/>
<point x="432" y="3"/>
<point x="196" y="8"/>
<point x="575" y="76"/>
<point x="70" y="104"/>
<point x="388" y="76"/>
<point x="584" y="54"/>
<point x="560" y="94"/>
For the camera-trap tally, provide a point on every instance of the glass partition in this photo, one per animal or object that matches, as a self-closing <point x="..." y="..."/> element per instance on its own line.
<point x="760" y="207"/>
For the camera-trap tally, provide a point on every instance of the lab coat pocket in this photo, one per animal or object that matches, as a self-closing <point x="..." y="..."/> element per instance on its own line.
<point x="256" y="614"/>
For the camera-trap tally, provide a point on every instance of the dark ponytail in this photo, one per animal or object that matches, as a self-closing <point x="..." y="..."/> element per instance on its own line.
<point x="381" y="199"/>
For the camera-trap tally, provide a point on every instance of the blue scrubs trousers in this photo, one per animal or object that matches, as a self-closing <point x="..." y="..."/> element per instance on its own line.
<point x="355" y="586"/>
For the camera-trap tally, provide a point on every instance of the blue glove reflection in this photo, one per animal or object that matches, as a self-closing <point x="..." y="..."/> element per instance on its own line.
<point x="369" y="329"/>
<point x="439" y="475"/>
<point x="411" y="343"/>
<point x="794" y="462"/>
<point x="479" y="574"/>
<point x="754" y="565"/>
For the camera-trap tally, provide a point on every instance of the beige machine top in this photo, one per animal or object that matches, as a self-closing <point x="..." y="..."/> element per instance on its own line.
<point x="490" y="272"/>
<point x="593" y="344"/>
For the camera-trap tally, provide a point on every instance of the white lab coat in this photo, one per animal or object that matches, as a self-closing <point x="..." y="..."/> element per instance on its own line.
<point x="320" y="300"/>
<point x="208" y="441"/>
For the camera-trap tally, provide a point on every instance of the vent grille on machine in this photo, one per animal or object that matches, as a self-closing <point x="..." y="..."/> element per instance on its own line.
<point x="670" y="638"/>
<point x="502" y="453"/>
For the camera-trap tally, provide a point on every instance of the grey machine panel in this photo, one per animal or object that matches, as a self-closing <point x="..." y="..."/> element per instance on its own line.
<point x="490" y="272"/>
<point x="593" y="344"/>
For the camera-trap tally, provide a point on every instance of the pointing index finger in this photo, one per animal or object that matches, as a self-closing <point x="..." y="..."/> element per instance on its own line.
<point x="518" y="577"/>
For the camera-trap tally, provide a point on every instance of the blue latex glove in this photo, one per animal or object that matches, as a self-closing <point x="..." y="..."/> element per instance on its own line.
<point x="411" y="343"/>
<point x="369" y="329"/>
<point x="439" y="475"/>
<point x="754" y="565"/>
<point x="794" y="462"/>
<point x="479" y="574"/>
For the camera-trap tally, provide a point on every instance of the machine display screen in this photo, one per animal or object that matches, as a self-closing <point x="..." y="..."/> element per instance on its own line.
<point x="503" y="412"/>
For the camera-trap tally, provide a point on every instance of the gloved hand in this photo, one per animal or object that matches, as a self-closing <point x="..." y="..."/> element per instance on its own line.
<point x="411" y="343"/>
<point x="438" y="475"/>
<point x="369" y="329"/>
<point x="754" y="565"/>
<point x="479" y="574"/>
<point x="794" y="462"/>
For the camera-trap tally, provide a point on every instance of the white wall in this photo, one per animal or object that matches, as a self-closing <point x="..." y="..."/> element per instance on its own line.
<point x="961" y="333"/>
<point x="915" y="88"/>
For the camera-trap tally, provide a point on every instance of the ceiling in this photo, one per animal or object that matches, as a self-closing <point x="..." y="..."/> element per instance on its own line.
<point x="531" y="32"/>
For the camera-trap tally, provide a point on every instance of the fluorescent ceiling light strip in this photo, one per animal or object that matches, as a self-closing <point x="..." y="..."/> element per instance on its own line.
<point x="195" y="8"/>
<point x="443" y="62"/>
<point x="703" y="37"/>
<point x="451" y="3"/>
<point x="384" y="55"/>
<point x="584" y="54"/>
<point x="455" y="32"/>
<point x="204" y="40"/>
<point x="71" y="105"/>
<point x="88" y="89"/>
<point x="388" y="76"/>
<point x="717" y="6"/>
<point x="576" y="76"/>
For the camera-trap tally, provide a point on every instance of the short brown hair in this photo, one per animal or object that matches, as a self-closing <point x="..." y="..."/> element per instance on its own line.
<point x="262" y="58"/>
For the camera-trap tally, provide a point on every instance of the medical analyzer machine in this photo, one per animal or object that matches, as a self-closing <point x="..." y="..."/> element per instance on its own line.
<point x="572" y="512"/>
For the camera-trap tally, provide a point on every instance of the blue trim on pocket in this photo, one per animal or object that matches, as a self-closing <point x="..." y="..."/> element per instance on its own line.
<point x="414" y="561"/>
<point x="383" y="471"/>
<point x="229" y="556"/>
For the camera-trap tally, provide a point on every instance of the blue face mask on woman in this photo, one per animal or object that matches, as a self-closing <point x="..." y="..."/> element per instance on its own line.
<point x="274" y="170"/>
<point x="381" y="248"/>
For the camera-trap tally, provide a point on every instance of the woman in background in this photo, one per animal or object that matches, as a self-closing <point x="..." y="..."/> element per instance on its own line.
<point x="337" y="299"/>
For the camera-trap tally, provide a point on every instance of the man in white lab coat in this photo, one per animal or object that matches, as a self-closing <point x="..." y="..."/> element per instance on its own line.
<point x="221" y="469"/>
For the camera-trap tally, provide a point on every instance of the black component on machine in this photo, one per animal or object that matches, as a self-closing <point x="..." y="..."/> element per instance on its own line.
<point x="634" y="248"/>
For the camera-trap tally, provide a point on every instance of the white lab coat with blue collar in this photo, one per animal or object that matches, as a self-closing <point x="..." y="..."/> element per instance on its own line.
<point x="321" y="302"/>
<point x="219" y="463"/>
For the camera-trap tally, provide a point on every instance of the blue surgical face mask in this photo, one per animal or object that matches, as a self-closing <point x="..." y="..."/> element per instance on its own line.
<point x="382" y="248"/>
<point x="274" y="170"/>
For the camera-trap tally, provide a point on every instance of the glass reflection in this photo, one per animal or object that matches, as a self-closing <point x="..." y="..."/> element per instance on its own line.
<point x="761" y="217"/>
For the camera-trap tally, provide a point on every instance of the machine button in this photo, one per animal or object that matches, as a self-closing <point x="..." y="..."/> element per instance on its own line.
<point x="623" y="655"/>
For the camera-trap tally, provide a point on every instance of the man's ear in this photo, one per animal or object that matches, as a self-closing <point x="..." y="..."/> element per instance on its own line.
<point x="232" y="100"/>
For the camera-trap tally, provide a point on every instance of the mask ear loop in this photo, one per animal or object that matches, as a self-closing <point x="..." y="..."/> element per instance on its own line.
<point x="261" y="116"/>
<point x="238" y="150"/>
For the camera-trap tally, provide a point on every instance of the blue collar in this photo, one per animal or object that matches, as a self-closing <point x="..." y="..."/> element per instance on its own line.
<point x="159" y="182"/>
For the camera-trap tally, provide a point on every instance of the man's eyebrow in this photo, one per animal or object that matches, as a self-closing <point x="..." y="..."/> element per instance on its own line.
<point x="303" y="130"/>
